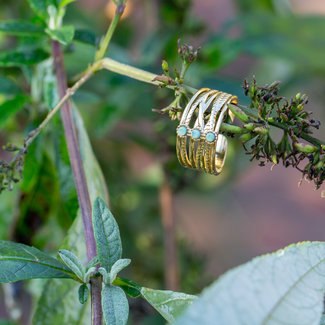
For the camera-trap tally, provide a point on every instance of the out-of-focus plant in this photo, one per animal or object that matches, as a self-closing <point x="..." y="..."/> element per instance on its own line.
<point x="90" y="257"/>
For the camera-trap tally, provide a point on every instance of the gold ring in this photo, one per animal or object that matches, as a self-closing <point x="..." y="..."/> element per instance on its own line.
<point x="199" y="144"/>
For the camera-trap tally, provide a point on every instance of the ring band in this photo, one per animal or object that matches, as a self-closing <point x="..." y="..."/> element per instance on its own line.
<point x="199" y="144"/>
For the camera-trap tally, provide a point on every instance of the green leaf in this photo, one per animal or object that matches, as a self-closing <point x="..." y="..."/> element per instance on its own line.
<point x="64" y="3"/>
<point x="40" y="7"/>
<point x="73" y="263"/>
<point x="115" y="305"/>
<point x="63" y="34"/>
<point x="22" y="58"/>
<point x="107" y="235"/>
<point x="21" y="262"/>
<point x="21" y="27"/>
<point x="85" y="36"/>
<point x="59" y="303"/>
<point x="118" y="266"/>
<point x="280" y="288"/>
<point x="83" y="293"/>
<point x="8" y="87"/>
<point x="92" y="263"/>
<point x="130" y="288"/>
<point x="168" y="303"/>
<point x="9" y="108"/>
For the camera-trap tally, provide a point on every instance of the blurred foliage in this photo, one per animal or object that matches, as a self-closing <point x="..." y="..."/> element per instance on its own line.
<point x="136" y="147"/>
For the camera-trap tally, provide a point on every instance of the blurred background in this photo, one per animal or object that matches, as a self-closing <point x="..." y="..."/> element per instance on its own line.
<point x="182" y="229"/>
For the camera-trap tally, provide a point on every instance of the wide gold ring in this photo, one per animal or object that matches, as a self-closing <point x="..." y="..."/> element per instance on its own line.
<point x="199" y="144"/>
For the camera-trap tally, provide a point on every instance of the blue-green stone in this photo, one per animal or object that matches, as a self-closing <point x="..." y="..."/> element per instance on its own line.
<point x="196" y="134"/>
<point x="182" y="131"/>
<point x="210" y="137"/>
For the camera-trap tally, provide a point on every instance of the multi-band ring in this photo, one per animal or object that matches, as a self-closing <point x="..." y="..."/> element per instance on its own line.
<point x="199" y="144"/>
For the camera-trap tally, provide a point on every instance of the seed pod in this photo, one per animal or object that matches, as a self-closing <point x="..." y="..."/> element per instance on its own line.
<point x="261" y="130"/>
<point x="305" y="148"/>
<point x="246" y="137"/>
<point x="241" y="115"/>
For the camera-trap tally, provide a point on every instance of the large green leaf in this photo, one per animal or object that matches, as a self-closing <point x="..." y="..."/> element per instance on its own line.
<point x="107" y="235"/>
<point x="59" y="302"/>
<point x="286" y="287"/>
<point x="115" y="305"/>
<point x="63" y="34"/>
<point x="21" y="58"/>
<point x="21" y="262"/>
<point x="9" y="108"/>
<point x="168" y="303"/>
<point x="21" y="27"/>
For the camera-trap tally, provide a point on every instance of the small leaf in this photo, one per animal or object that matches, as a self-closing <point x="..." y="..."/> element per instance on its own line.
<point x="64" y="3"/>
<point x="73" y="263"/>
<point x="22" y="58"/>
<point x="107" y="235"/>
<point x="83" y="293"/>
<point x="168" y="303"/>
<point x="130" y="288"/>
<point x="118" y="266"/>
<point x="9" y="108"/>
<point x="115" y="305"/>
<point x="21" y="27"/>
<point x="85" y="36"/>
<point x="21" y="262"/>
<point x="286" y="287"/>
<point x="92" y="263"/>
<point x="63" y="34"/>
<point x="88" y="274"/>
<point x="40" y="7"/>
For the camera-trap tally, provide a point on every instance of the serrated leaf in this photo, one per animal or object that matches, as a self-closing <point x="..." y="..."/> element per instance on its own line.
<point x="40" y="7"/>
<point x="20" y="262"/>
<point x="21" y="27"/>
<point x="59" y="302"/>
<point x="9" y="108"/>
<point x="286" y="287"/>
<point x="64" y="34"/>
<point x="115" y="305"/>
<point x="169" y="304"/>
<point x="85" y="36"/>
<point x="83" y="293"/>
<point x="22" y="57"/>
<point x="64" y="3"/>
<point x="73" y="263"/>
<point x="107" y="235"/>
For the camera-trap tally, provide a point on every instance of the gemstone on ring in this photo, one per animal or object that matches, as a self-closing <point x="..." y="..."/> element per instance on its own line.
<point x="182" y="130"/>
<point x="196" y="134"/>
<point x="210" y="137"/>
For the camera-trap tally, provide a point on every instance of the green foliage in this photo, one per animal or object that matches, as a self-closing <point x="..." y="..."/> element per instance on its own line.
<point x="9" y="108"/>
<point x="108" y="241"/>
<point x="115" y="305"/>
<point x="41" y="7"/>
<point x="21" y="27"/>
<point x="272" y="289"/>
<point x="83" y="293"/>
<point x="63" y="34"/>
<point x="20" y="262"/>
<point x="168" y="303"/>
<point x="59" y="302"/>
<point x="64" y="3"/>
<point x="22" y="57"/>
<point x="73" y="263"/>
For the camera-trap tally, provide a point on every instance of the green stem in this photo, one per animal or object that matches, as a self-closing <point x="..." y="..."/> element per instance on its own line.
<point x="110" y="31"/>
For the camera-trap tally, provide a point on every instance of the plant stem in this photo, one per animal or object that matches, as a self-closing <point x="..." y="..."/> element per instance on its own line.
<point x="168" y="221"/>
<point x="139" y="74"/>
<point x="78" y="174"/>
<point x="110" y="31"/>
